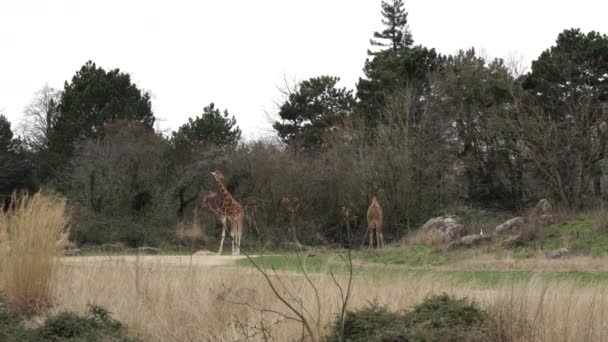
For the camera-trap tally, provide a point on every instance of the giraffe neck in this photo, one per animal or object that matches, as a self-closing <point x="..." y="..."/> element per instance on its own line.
<point x="224" y="192"/>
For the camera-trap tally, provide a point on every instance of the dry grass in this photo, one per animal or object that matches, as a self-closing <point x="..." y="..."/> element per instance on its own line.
<point x="34" y="227"/>
<point x="172" y="303"/>
<point x="431" y="238"/>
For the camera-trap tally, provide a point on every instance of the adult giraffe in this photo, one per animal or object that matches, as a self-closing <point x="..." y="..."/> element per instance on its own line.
<point x="231" y="212"/>
<point x="374" y="222"/>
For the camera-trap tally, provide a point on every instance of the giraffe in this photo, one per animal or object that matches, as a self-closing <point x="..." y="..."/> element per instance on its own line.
<point x="231" y="213"/>
<point x="374" y="221"/>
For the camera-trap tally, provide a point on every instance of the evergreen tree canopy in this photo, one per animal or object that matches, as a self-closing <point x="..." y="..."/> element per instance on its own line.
<point x="391" y="71"/>
<point x="577" y="66"/>
<point x="396" y="31"/>
<point x="315" y="106"/>
<point x="6" y="134"/>
<point x="92" y="98"/>
<point x="15" y="166"/>
<point x="398" y="66"/>
<point x="213" y="126"/>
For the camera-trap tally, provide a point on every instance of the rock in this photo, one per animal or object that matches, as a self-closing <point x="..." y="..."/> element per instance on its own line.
<point x="543" y="207"/>
<point x="558" y="253"/>
<point x="203" y="253"/>
<point x="511" y="225"/>
<point x="72" y="252"/>
<point x="148" y="250"/>
<point x="448" y="225"/>
<point x="474" y="239"/>
<point x="454" y="245"/>
<point x="512" y="242"/>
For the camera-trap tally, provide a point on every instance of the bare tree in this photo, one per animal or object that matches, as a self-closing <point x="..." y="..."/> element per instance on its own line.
<point x="39" y="117"/>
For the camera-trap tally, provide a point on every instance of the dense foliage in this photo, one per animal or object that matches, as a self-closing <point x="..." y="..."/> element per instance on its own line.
<point x="310" y="111"/>
<point x="437" y="318"/>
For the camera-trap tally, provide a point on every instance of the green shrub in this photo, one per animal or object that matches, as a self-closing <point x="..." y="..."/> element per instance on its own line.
<point x="97" y="325"/>
<point x="11" y="325"/>
<point x="437" y="318"/>
<point x="372" y="323"/>
<point x="442" y="318"/>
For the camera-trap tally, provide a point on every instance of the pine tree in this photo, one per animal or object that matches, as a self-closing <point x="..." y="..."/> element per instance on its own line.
<point x="397" y="31"/>
<point x="313" y="108"/>
<point x="213" y="127"/>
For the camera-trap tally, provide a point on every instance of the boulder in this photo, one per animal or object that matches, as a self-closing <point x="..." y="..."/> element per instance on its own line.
<point x="558" y="253"/>
<point x="512" y="242"/>
<point x="510" y="225"/>
<point x="448" y="225"/>
<point x="148" y="250"/>
<point x="72" y="252"/>
<point x="454" y="245"/>
<point x="474" y="239"/>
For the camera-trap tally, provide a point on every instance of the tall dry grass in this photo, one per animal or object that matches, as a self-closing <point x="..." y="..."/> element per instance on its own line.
<point x="35" y="228"/>
<point x="177" y="303"/>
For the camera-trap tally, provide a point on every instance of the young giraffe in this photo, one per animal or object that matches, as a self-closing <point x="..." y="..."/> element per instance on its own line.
<point x="230" y="212"/>
<point x="374" y="221"/>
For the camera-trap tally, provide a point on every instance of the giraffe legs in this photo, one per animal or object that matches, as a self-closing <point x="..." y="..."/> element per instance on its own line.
<point x="223" y="219"/>
<point x="371" y="237"/>
<point x="380" y="239"/>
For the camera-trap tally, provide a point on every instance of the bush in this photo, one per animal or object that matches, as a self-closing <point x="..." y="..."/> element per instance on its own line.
<point x="11" y="325"/>
<point x="97" y="325"/>
<point x="438" y="318"/>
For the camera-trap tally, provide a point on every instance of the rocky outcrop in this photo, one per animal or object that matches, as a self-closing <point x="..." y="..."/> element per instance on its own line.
<point x="468" y="241"/>
<point x="510" y="226"/>
<point x="474" y="239"/>
<point x="558" y="253"/>
<point x="447" y="225"/>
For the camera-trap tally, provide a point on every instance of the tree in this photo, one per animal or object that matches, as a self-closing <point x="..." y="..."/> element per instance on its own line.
<point x="212" y="127"/>
<point x="15" y="168"/>
<point x="39" y="118"/>
<point x="399" y="66"/>
<point x="474" y="96"/>
<point x="396" y="31"/>
<point x="6" y="134"/>
<point x="313" y="108"/>
<point x="390" y="72"/>
<point x="93" y="98"/>
<point x="572" y="74"/>
<point x="576" y="67"/>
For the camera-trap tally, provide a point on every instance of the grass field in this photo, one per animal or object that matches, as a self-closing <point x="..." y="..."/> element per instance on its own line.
<point x="172" y="298"/>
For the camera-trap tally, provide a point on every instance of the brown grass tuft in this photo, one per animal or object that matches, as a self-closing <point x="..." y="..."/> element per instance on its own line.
<point x="35" y="228"/>
<point x="431" y="238"/>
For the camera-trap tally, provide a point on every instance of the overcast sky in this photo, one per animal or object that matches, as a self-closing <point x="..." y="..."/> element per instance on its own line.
<point x="237" y="53"/>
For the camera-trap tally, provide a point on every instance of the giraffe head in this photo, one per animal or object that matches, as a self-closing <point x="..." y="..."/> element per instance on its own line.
<point x="218" y="175"/>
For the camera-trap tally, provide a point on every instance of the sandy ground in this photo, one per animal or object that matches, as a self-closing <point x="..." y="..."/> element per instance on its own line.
<point x="175" y="260"/>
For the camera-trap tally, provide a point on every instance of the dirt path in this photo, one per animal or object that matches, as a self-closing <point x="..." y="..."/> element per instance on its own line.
<point x="175" y="260"/>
